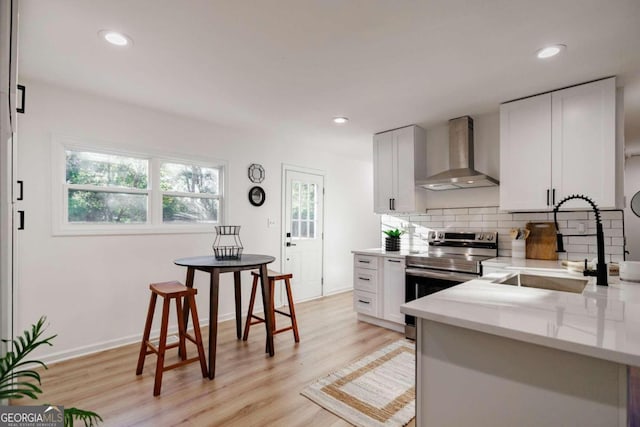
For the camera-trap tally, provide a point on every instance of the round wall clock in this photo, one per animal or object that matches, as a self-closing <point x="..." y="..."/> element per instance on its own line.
<point x="256" y="173"/>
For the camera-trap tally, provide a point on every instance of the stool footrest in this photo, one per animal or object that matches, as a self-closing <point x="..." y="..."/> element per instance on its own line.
<point x="181" y="363"/>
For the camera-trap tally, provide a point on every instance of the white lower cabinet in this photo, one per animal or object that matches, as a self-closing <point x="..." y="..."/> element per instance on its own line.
<point x="365" y="302"/>
<point x="378" y="290"/>
<point x="393" y="289"/>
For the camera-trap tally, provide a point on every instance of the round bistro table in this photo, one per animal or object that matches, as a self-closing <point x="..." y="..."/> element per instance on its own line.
<point x="213" y="266"/>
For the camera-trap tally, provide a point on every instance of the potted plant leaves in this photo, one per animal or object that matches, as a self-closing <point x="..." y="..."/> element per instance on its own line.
<point x="392" y="241"/>
<point x="19" y="379"/>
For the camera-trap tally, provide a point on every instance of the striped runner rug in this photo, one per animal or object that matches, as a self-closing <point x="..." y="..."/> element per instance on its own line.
<point x="377" y="390"/>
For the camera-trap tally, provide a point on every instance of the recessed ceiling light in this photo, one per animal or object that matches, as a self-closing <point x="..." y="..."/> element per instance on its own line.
<point x="115" y="38"/>
<point x="549" y="51"/>
<point x="340" y="120"/>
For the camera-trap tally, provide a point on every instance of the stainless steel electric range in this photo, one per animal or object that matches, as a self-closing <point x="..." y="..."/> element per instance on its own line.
<point x="453" y="257"/>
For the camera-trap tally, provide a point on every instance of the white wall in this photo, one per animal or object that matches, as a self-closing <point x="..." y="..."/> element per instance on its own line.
<point x="632" y="222"/>
<point x="487" y="160"/>
<point x="94" y="289"/>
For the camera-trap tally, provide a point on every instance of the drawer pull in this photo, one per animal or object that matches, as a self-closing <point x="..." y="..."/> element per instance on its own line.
<point x="365" y="262"/>
<point x="393" y="260"/>
<point x="364" y="278"/>
<point x="364" y="302"/>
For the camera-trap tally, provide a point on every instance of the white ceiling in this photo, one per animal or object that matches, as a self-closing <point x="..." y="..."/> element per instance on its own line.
<point x="286" y="67"/>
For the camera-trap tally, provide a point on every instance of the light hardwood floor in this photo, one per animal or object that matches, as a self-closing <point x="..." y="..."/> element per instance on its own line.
<point x="250" y="389"/>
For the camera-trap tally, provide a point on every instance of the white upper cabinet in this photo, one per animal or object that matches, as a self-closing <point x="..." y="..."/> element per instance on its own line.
<point x="584" y="135"/>
<point x="399" y="159"/>
<point x="525" y="153"/>
<point x="557" y="144"/>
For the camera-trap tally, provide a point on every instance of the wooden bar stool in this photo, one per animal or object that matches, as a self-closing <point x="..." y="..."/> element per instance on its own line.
<point x="273" y="277"/>
<point x="169" y="291"/>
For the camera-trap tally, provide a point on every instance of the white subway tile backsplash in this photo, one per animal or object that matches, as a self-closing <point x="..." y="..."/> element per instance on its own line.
<point x="613" y="232"/>
<point x="576" y="248"/>
<point x="456" y="211"/>
<point x="497" y="217"/>
<point x="511" y="224"/>
<point x="490" y="210"/>
<point x="493" y="219"/>
<point x="616" y="215"/>
<point x="525" y="216"/>
<point x="476" y="217"/>
<point x="571" y="215"/>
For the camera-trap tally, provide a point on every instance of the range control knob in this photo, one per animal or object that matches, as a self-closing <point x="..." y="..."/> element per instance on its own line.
<point x="489" y="237"/>
<point x="480" y="236"/>
<point x="441" y="236"/>
<point x="432" y="235"/>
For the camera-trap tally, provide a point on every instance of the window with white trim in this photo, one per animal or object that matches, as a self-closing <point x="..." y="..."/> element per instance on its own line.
<point x="106" y="188"/>
<point x="114" y="192"/>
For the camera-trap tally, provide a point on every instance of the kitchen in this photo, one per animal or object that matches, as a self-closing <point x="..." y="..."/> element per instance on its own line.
<point x="67" y="105"/>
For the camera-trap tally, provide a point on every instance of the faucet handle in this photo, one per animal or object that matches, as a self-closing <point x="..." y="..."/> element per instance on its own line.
<point x="559" y="243"/>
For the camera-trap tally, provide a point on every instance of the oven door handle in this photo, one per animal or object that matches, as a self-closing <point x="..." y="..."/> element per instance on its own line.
<point x="446" y="275"/>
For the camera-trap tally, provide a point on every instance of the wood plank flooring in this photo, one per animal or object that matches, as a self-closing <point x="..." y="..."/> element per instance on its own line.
<point x="250" y="389"/>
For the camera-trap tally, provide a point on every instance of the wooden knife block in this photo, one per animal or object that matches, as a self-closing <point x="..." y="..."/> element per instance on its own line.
<point x="541" y="243"/>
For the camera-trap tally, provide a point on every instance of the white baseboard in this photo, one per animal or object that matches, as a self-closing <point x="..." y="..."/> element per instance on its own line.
<point x="119" y="342"/>
<point x="339" y="291"/>
<point x="381" y="322"/>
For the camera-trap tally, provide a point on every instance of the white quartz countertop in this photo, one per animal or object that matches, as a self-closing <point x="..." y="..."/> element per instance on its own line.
<point x="382" y="252"/>
<point x="602" y="322"/>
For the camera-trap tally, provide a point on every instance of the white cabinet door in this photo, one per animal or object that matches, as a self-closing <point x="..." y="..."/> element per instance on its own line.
<point x="583" y="133"/>
<point x="405" y="194"/>
<point x="557" y="144"/>
<point x="399" y="158"/>
<point x="393" y="289"/>
<point x="525" y="153"/>
<point x="384" y="158"/>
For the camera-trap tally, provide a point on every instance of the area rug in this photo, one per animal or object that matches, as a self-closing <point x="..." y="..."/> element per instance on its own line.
<point x="377" y="390"/>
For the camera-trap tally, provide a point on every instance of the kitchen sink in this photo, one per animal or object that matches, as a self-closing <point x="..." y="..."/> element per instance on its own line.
<point x="554" y="283"/>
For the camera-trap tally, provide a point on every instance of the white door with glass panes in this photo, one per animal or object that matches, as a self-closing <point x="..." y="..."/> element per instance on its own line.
<point x="303" y="232"/>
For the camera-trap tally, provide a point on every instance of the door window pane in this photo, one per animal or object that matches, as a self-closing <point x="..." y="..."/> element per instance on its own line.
<point x="303" y="209"/>
<point x="104" y="207"/>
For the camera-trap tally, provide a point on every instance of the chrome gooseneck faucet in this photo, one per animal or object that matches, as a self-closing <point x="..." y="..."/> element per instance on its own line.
<point x="601" y="267"/>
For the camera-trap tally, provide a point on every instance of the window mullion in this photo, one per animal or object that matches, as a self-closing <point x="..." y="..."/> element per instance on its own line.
<point x="99" y="189"/>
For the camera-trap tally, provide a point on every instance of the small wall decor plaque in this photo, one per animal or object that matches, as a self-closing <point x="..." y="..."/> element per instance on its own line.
<point x="256" y="196"/>
<point x="256" y="173"/>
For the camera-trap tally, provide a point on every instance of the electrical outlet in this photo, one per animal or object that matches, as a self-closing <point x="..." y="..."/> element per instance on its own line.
<point x="582" y="228"/>
<point x="271" y="222"/>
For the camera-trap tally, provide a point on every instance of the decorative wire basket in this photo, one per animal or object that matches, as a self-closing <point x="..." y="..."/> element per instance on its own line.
<point x="227" y="244"/>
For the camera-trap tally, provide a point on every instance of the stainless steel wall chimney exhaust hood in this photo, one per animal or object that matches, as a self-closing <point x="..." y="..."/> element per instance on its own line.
<point x="461" y="173"/>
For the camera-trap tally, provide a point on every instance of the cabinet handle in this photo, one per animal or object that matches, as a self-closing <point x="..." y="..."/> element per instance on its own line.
<point x="390" y="208"/>
<point x="394" y="204"/>
<point x="393" y="260"/>
<point x="547" y="197"/>
<point x="21" y="219"/>
<point x="365" y="262"/>
<point x="364" y="302"/>
<point x="23" y="93"/>
<point x="364" y="278"/>
<point x="21" y="185"/>
<point x="553" y="197"/>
